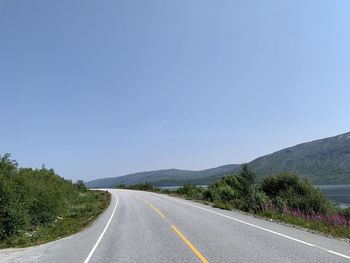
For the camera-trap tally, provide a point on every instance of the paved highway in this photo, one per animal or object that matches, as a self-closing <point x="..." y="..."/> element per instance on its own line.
<point x="146" y="227"/>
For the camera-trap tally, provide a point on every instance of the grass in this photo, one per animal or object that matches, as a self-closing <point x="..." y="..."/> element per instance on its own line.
<point x="80" y="214"/>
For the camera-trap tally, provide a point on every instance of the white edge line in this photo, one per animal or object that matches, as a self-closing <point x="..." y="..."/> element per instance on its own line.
<point x="264" y="229"/>
<point x="103" y="232"/>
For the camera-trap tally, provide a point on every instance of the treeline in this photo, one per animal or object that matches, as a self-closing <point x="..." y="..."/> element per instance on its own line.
<point x="37" y="205"/>
<point x="284" y="196"/>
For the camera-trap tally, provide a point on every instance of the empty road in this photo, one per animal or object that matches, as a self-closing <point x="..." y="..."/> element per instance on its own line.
<point x="146" y="227"/>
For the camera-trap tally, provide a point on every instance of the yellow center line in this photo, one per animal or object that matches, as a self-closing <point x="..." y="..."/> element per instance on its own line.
<point x="157" y="210"/>
<point x="188" y="243"/>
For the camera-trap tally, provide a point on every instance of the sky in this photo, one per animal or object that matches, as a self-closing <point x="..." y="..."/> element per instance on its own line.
<point x="105" y="88"/>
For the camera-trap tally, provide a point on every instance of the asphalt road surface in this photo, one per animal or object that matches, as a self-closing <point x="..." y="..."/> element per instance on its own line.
<point x="146" y="227"/>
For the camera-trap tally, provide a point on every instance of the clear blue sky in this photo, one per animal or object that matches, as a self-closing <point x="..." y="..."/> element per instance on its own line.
<point x="104" y="88"/>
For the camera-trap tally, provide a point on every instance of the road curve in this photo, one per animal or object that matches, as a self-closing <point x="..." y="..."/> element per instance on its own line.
<point x="146" y="227"/>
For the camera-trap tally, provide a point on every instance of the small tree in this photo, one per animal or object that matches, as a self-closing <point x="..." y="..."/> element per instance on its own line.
<point x="80" y="185"/>
<point x="247" y="181"/>
<point x="248" y="177"/>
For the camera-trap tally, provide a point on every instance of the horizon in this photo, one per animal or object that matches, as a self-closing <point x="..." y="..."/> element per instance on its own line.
<point x="99" y="90"/>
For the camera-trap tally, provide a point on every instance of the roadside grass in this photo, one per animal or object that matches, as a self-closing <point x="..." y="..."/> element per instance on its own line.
<point x="81" y="212"/>
<point x="314" y="225"/>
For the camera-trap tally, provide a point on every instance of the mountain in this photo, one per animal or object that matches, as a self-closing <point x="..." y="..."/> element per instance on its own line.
<point x="325" y="161"/>
<point x="168" y="177"/>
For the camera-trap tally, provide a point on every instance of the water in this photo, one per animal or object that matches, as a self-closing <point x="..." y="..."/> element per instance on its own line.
<point x="337" y="193"/>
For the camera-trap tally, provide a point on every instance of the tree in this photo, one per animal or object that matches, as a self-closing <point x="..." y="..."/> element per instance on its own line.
<point x="248" y="176"/>
<point x="80" y="185"/>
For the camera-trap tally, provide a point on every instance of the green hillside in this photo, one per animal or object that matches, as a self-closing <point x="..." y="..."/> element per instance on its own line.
<point x="325" y="161"/>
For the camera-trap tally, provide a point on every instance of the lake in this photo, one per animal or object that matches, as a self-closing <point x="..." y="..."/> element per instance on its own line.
<point x="337" y="193"/>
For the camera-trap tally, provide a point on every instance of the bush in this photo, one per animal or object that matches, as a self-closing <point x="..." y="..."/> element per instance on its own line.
<point x="190" y="191"/>
<point x="236" y="190"/>
<point x="80" y="186"/>
<point x="289" y="191"/>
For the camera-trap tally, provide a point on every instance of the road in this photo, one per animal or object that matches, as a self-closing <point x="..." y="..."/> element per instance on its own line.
<point x="146" y="227"/>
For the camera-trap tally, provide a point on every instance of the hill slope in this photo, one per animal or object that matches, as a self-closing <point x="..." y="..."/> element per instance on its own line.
<point x="168" y="177"/>
<point x="325" y="161"/>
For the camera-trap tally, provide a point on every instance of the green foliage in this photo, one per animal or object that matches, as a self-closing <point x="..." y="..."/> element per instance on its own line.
<point x="32" y="200"/>
<point x="247" y="177"/>
<point x="190" y="191"/>
<point x="237" y="191"/>
<point x="287" y="190"/>
<point x="80" y="186"/>
<point x="13" y="213"/>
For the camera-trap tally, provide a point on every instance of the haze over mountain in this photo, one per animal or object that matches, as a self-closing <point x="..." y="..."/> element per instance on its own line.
<point x="324" y="161"/>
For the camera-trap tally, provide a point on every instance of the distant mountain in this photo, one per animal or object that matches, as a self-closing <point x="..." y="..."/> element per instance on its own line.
<point x="170" y="177"/>
<point x="325" y="161"/>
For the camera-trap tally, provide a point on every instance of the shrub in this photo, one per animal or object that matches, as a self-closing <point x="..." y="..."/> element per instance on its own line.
<point x="80" y="186"/>
<point x="209" y="195"/>
<point x="237" y="190"/>
<point x="289" y="191"/>
<point x="190" y="191"/>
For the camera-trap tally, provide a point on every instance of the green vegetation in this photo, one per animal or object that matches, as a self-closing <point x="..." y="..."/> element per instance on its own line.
<point x="285" y="197"/>
<point x="37" y="206"/>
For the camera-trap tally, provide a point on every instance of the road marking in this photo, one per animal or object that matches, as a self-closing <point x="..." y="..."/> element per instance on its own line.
<point x="157" y="210"/>
<point x="152" y="206"/>
<point x="103" y="232"/>
<point x="188" y="243"/>
<point x="264" y="229"/>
